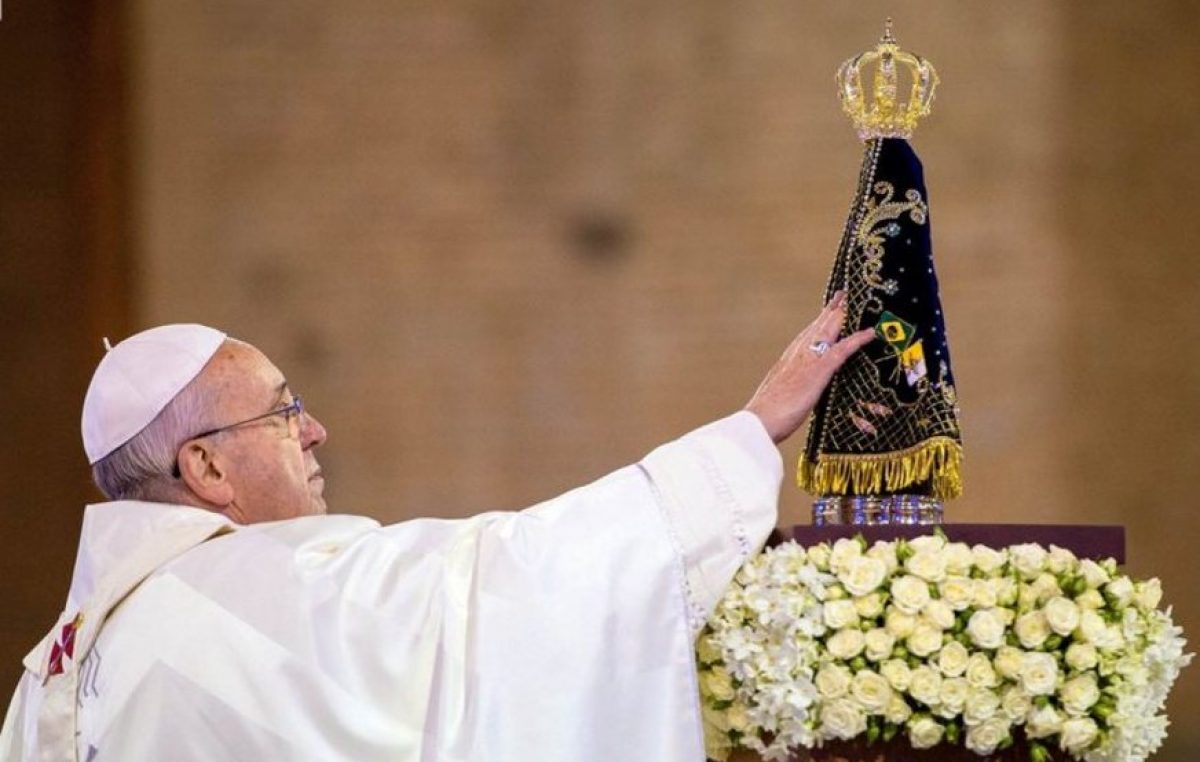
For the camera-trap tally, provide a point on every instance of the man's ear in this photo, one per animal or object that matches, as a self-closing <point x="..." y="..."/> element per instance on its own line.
<point x="204" y="474"/>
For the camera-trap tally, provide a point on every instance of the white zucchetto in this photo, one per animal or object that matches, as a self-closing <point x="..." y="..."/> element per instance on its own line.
<point x="137" y="378"/>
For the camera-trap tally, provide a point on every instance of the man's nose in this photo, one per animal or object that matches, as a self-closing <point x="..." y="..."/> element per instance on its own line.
<point x="312" y="433"/>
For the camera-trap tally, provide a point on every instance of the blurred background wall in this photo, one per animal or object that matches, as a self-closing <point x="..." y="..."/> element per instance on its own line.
<point x="503" y="248"/>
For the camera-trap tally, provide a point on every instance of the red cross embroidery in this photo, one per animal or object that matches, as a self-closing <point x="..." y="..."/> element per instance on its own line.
<point x="64" y="646"/>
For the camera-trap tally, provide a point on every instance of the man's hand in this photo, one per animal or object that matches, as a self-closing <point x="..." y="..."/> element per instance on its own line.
<point x="791" y="389"/>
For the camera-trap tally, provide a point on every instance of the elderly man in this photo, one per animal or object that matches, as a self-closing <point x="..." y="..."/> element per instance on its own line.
<point x="217" y="612"/>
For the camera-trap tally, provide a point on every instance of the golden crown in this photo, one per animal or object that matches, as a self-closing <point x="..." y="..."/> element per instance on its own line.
<point x="885" y="116"/>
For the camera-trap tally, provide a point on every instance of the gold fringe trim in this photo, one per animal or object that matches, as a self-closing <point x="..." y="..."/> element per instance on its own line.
<point x="937" y="460"/>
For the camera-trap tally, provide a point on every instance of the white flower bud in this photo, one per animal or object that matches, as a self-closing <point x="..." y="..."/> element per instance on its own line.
<point x="1121" y="590"/>
<point x="939" y="614"/>
<point x="982" y="704"/>
<point x="958" y="558"/>
<point x="1060" y="560"/>
<point x="1015" y="703"/>
<point x="1043" y="721"/>
<point x="898" y="710"/>
<point x="843" y="551"/>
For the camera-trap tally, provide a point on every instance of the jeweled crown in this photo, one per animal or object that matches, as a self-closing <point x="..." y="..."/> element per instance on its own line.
<point x="884" y="115"/>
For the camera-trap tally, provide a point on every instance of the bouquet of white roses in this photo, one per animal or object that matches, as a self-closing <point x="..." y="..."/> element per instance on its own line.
<point x="942" y="642"/>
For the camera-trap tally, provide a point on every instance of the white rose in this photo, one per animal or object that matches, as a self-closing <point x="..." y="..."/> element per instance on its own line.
<point x="1005" y="589"/>
<point x="871" y="691"/>
<point x="1027" y="597"/>
<point x="862" y="574"/>
<point x="983" y="594"/>
<point x="1094" y="575"/>
<point x="1029" y="559"/>
<point x="1090" y="599"/>
<point x="984" y="738"/>
<point x="897" y="673"/>
<point x="900" y="624"/>
<point x="1059" y="560"/>
<point x="1148" y="594"/>
<point x="1046" y="587"/>
<point x="1008" y="662"/>
<point x="980" y="673"/>
<point x="924" y="640"/>
<point x="925" y="685"/>
<point x="845" y="644"/>
<point x="1077" y="735"/>
<point x="1079" y="693"/>
<point x="841" y="719"/>
<point x="1015" y="703"/>
<point x="1042" y="721"/>
<point x="1120" y="590"/>
<point x="708" y="651"/>
<point x="1031" y="629"/>
<point x="957" y="591"/>
<point x="958" y="558"/>
<point x="886" y="552"/>
<point x="869" y="606"/>
<point x="879" y="644"/>
<point x="909" y="593"/>
<point x="988" y="560"/>
<point x="898" y="710"/>
<point x="843" y="551"/>
<point x="1092" y="628"/>
<point x="952" y="660"/>
<point x="927" y="542"/>
<point x="718" y="684"/>
<point x="1039" y="674"/>
<point x="929" y="565"/>
<point x="953" y="696"/>
<point x="982" y="704"/>
<point x="832" y="681"/>
<point x="924" y="733"/>
<point x="1081" y="656"/>
<point x="985" y="628"/>
<point x="1062" y="615"/>
<point x="738" y="718"/>
<point x="840" y="614"/>
<point x="939" y="614"/>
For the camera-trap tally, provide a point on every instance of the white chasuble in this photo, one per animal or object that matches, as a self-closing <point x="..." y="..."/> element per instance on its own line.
<point x="561" y="633"/>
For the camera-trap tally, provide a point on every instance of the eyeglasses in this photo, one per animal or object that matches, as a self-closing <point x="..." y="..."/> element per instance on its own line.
<point x="291" y="412"/>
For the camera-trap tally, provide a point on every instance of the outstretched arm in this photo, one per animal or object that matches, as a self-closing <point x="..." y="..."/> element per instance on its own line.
<point x="792" y="387"/>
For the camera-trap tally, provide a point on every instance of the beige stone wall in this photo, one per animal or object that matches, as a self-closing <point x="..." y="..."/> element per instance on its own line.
<point x="502" y="248"/>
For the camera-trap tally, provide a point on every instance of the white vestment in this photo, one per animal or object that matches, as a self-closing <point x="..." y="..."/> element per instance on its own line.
<point x="562" y="633"/>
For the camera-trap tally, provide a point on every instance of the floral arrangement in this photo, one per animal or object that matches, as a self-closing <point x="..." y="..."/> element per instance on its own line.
<point x="941" y="642"/>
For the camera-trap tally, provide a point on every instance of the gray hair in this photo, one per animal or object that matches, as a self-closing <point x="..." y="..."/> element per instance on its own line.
<point x="141" y="468"/>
